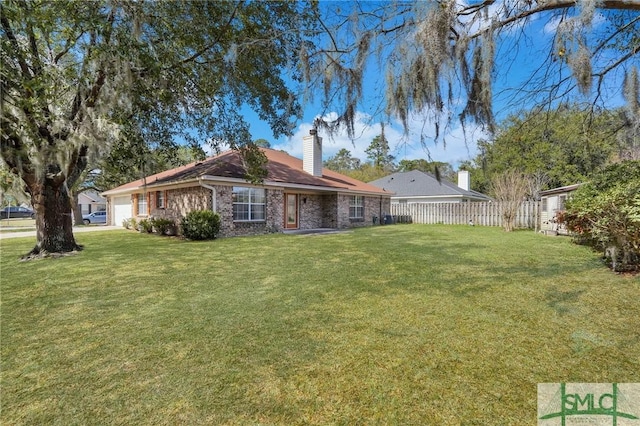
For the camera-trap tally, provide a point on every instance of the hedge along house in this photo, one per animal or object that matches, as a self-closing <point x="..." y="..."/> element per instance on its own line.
<point x="551" y="202"/>
<point x="295" y="194"/>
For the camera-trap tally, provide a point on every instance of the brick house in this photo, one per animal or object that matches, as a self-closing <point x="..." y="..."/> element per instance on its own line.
<point x="296" y="194"/>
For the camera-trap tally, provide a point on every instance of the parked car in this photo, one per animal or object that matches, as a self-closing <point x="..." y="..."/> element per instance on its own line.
<point x="95" y="217"/>
<point x="11" y="212"/>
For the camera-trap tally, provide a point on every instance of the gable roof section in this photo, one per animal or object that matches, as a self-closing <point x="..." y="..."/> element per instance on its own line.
<point x="282" y="170"/>
<point x="92" y="196"/>
<point x="560" y="190"/>
<point x="420" y="184"/>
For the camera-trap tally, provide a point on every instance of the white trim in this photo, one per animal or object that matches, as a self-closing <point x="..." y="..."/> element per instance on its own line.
<point x="353" y="204"/>
<point x="250" y="203"/>
<point x="560" y="190"/>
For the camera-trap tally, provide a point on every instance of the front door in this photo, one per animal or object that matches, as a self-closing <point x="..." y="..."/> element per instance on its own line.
<point x="291" y="211"/>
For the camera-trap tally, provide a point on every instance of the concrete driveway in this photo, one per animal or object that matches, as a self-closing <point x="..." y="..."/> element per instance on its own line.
<point x="18" y="234"/>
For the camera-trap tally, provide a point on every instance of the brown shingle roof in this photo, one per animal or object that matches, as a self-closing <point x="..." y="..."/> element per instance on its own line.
<point x="281" y="168"/>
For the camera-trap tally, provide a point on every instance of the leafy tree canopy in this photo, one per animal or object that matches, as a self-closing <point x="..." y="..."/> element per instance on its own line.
<point x="566" y="145"/>
<point x="437" y="168"/>
<point x="378" y="153"/>
<point x="368" y="172"/>
<point x="343" y="162"/>
<point x="263" y="143"/>
<point x="126" y="163"/>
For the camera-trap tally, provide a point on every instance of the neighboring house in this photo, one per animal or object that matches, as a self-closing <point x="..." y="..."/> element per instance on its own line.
<point x="551" y="202"/>
<point x="295" y="194"/>
<point x="420" y="187"/>
<point x="91" y="201"/>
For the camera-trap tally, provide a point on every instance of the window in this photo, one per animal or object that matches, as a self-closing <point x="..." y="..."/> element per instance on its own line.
<point x="561" y="200"/>
<point x="160" y="203"/>
<point x="248" y="204"/>
<point x="356" y="207"/>
<point x="142" y="204"/>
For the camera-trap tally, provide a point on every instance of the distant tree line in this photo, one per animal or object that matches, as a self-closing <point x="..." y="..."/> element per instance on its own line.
<point x="548" y="148"/>
<point x="553" y="148"/>
<point x="381" y="163"/>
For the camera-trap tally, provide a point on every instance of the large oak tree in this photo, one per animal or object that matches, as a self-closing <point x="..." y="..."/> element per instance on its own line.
<point x="79" y="76"/>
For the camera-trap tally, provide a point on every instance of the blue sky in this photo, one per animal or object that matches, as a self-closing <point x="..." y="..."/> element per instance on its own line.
<point x="516" y="60"/>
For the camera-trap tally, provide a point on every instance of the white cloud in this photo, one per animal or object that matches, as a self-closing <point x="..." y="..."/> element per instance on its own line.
<point x="552" y="26"/>
<point x="459" y="145"/>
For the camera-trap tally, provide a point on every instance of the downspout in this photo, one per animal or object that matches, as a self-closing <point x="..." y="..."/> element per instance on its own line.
<point x="214" y="205"/>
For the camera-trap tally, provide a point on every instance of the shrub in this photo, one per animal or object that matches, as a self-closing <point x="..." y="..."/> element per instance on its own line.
<point x="133" y="223"/>
<point x="162" y="226"/>
<point x="145" y="225"/>
<point x="200" y="225"/>
<point x="605" y="214"/>
<point x="126" y="223"/>
<point x="509" y="188"/>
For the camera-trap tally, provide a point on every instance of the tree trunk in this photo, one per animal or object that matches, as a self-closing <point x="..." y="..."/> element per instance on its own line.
<point x="54" y="227"/>
<point x="75" y="208"/>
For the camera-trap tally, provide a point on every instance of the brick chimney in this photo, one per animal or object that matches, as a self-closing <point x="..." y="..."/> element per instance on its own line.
<point x="464" y="179"/>
<point x="312" y="153"/>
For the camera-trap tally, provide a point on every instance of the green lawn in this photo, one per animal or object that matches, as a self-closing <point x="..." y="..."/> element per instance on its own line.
<point x="20" y="224"/>
<point x="405" y="324"/>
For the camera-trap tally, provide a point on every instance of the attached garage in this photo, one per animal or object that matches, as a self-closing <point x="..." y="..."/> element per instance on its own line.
<point x="121" y="209"/>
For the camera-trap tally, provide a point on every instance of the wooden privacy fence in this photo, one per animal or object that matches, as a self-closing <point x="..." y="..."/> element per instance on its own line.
<point x="484" y="214"/>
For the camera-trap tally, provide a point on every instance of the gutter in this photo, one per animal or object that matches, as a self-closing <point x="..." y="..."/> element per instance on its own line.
<point x="214" y="205"/>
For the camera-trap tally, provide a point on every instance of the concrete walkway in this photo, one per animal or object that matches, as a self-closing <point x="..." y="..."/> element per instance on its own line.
<point x="32" y="233"/>
<point x="314" y="231"/>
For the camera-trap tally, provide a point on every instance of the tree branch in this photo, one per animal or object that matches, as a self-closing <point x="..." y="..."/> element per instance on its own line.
<point x="6" y="26"/>
<point x="77" y="165"/>
<point x="68" y="45"/>
<point x="629" y="55"/>
<point x="215" y="42"/>
<point x="544" y="6"/>
<point x="33" y="44"/>
<point x="91" y="98"/>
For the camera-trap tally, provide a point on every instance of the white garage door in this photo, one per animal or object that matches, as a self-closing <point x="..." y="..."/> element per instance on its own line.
<point x="121" y="209"/>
